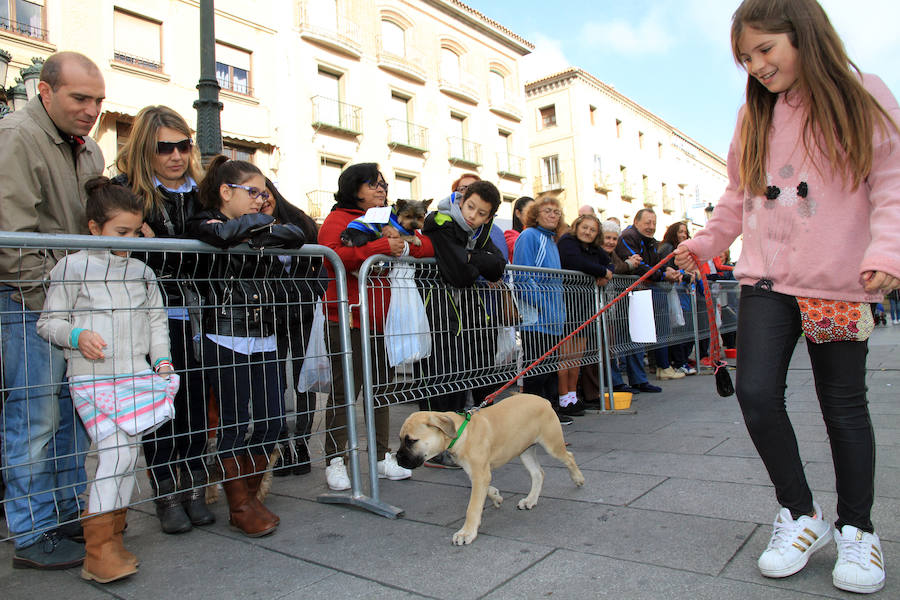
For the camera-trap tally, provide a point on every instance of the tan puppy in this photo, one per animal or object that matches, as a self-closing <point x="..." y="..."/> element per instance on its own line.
<point x="494" y="436"/>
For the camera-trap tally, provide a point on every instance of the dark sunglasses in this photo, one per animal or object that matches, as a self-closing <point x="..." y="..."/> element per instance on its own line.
<point x="183" y="146"/>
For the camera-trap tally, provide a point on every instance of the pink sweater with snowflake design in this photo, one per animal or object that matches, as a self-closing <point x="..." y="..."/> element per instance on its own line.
<point x="810" y="234"/>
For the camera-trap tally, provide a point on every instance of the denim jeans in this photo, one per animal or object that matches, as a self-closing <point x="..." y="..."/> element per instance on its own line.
<point x="634" y="365"/>
<point x="768" y="328"/>
<point x="44" y="441"/>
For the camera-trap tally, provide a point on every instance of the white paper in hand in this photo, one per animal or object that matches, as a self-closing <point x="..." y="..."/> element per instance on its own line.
<point x="641" y="325"/>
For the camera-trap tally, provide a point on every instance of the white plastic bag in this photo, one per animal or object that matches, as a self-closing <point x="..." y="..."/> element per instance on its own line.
<point x="315" y="374"/>
<point x="407" y="335"/>
<point x="641" y="324"/>
<point x="676" y="314"/>
<point x="506" y="346"/>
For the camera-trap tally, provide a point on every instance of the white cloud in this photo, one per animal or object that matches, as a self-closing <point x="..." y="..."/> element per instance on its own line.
<point x="651" y="35"/>
<point x="547" y="58"/>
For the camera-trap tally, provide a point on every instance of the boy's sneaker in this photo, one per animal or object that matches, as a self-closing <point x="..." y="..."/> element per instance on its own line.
<point x="860" y="564"/>
<point x="793" y="542"/>
<point x="51" y="551"/>
<point x="688" y="370"/>
<point x="390" y="469"/>
<point x="564" y="419"/>
<point x="444" y="460"/>
<point x="336" y="475"/>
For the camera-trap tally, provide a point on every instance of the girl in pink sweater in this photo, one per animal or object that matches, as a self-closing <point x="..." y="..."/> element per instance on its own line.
<point x="814" y="187"/>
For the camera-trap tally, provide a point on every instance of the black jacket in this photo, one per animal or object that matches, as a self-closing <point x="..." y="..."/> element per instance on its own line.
<point x="633" y="242"/>
<point x="241" y="293"/>
<point x="459" y="266"/>
<point x="173" y="270"/>
<point x="587" y="258"/>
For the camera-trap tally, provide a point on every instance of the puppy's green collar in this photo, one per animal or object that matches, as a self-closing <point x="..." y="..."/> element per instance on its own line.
<point x="460" y="430"/>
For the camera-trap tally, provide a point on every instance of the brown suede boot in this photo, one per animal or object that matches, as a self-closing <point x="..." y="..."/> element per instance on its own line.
<point x="118" y="528"/>
<point x="257" y="465"/>
<point x="102" y="562"/>
<point x="244" y="516"/>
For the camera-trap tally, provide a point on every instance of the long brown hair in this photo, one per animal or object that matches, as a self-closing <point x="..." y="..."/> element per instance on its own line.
<point x="573" y="229"/>
<point x="135" y="159"/>
<point x="841" y="114"/>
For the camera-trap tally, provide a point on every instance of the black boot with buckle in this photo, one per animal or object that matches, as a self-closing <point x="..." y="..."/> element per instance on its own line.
<point x="193" y="498"/>
<point x="172" y="518"/>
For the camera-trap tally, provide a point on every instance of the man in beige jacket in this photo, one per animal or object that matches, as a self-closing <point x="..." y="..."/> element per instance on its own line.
<point x="45" y="159"/>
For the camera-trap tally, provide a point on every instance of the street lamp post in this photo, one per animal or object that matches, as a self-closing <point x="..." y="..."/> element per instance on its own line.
<point x="5" y="57"/>
<point x="18" y="95"/>
<point x="209" y="127"/>
<point x="32" y="75"/>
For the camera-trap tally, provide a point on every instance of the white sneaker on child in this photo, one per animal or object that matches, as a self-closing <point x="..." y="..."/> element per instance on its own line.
<point x="390" y="469"/>
<point x="860" y="563"/>
<point x="336" y="475"/>
<point x="793" y="542"/>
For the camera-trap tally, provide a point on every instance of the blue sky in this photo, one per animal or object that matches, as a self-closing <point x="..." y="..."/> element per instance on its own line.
<point x="673" y="57"/>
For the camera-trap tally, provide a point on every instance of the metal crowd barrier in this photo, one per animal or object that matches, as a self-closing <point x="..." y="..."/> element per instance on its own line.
<point x="474" y="335"/>
<point x="50" y="474"/>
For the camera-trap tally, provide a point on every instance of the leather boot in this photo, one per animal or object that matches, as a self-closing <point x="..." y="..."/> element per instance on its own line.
<point x="303" y="465"/>
<point x="193" y="498"/>
<point x="119" y="544"/>
<point x="102" y="561"/>
<point x="243" y="515"/>
<point x="172" y="518"/>
<point x="257" y="465"/>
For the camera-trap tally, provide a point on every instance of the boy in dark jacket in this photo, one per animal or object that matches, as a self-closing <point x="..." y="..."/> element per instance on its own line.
<point x="463" y="329"/>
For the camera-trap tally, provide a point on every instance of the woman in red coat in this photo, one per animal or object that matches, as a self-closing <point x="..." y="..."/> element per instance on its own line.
<point x="360" y="187"/>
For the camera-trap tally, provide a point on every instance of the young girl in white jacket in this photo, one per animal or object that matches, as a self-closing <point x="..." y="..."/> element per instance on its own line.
<point x="106" y="310"/>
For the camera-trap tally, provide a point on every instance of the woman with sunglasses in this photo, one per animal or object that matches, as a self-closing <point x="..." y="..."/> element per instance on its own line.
<point x="240" y="349"/>
<point x="360" y="187"/>
<point x="161" y="166"/>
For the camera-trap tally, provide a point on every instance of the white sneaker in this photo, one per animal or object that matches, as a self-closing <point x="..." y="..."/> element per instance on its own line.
<point x="390" y="469"/>
<point x="793" y="542"/>
<point x="669" y="373"/>
<point x="687" y="370"/>
<point x="336" y="475"/>
<point x="860" y="564"/>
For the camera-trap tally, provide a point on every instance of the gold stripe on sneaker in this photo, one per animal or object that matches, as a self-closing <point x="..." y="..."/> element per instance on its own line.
<point x="876" y="560"/>
<point x="811" y="533"/>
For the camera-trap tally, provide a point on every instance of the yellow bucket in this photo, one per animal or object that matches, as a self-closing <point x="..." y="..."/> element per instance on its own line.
<point x="621" y="400"/>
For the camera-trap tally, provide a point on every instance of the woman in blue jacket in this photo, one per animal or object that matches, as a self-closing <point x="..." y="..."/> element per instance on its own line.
<point x="540" y="295"/>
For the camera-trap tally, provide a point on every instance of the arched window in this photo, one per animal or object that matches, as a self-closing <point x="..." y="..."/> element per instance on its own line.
<point x="497" y="87"/>
<point x="393" y="38"/>
<point x="449" y="65"/>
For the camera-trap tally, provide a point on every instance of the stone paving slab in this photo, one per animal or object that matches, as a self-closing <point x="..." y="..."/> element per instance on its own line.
<point x="697" y="544"/>
<point x="705" y="467"/>
<point x="566" y="574"/>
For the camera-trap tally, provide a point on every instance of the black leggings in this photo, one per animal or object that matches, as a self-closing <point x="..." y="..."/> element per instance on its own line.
<point x="768" y="328"/>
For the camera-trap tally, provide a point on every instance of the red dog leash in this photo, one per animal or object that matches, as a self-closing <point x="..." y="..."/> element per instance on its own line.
<point x="721" y="371"/>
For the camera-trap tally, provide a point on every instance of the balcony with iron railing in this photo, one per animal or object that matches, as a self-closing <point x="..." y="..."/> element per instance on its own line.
<point x="335" y="32"/>
<point x="510" y="165"/>
<point x="25" y="29"/>
<point x="650" y="198"/>
<point x="407" y="136"/>
<point x="234" y="85"/>
<point x="140" y="62"/>
<point x="500" y="104"/>
<point x="464" y="88"/>
<point x="626" y="191"/>
<point x="317" y="203"/>
<point x="602" y="182"/>
<point x="410" y="64"/>
<point x="464" y="152"/>
<point x="549" y="183"/>
<point x="336" y="116"/>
